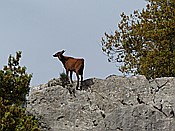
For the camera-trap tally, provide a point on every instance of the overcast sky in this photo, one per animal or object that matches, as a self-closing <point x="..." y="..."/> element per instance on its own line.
<point x="39" y="28"/>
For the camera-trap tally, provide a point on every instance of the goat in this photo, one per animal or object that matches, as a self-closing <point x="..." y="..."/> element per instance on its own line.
<point x="73" y="65"/>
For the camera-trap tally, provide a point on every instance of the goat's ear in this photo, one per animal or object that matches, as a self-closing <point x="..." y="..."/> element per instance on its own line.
<point x="62" y="51"/>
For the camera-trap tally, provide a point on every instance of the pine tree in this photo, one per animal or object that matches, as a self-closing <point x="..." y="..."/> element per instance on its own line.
<point x="145" y="41"/>
<point x="14" y="86"/>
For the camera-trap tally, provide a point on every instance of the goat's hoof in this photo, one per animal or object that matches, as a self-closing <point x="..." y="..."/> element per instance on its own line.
<point x="77" y="88"/>
<point x="81" y="87"/>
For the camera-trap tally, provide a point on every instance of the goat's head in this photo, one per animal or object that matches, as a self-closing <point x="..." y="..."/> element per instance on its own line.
<point x="59" y="54"/>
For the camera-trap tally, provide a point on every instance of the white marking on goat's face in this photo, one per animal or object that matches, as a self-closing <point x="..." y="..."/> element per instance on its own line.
<point x="59" y="57"/>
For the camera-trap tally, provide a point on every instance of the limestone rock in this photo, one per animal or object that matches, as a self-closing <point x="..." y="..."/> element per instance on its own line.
<point x="111" y="104"/>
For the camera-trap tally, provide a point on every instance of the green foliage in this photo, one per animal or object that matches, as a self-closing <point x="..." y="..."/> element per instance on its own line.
<point x="145" y="41"/>
<point x="14" y="81"/>
<point x="13" y="118"/>
<point x="64" y="79"/>
<point x="14" y="85"/>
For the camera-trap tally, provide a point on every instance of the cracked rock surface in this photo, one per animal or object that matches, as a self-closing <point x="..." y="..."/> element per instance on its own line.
<point x="111" y="104"/>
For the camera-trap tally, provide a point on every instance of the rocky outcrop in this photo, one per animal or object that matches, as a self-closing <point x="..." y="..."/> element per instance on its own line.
<point x="113" y="104"/>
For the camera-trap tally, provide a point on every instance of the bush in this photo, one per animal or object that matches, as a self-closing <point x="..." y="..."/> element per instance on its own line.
<point x="64" y="79"/>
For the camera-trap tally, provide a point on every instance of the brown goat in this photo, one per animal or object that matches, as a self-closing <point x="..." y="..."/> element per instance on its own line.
<point x="71" y="64"/>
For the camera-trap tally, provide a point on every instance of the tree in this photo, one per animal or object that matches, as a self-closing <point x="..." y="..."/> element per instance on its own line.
<point x="13" y="118"/>
<point x="14" y="86"/>
<point x="145" y="41"/>
<point x="14" y="81"/>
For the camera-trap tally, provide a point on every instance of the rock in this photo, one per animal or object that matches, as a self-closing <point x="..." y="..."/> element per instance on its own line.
<point x="136" y="118"/>
<point x="113" y="104"/>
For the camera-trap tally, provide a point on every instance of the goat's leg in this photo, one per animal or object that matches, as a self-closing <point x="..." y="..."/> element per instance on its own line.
<point x="81" y="81"/>
<point x="81" y="78"/>
<point x="71" y="77"/>
<point x="67" y="74"/>
<point x="77" y="81"/>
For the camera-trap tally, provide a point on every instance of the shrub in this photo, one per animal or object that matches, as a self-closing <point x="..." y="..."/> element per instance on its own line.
<point x="64" y="79"/>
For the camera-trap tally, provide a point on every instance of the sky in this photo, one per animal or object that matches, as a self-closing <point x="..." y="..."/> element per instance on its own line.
<point x="40" y="28"/>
